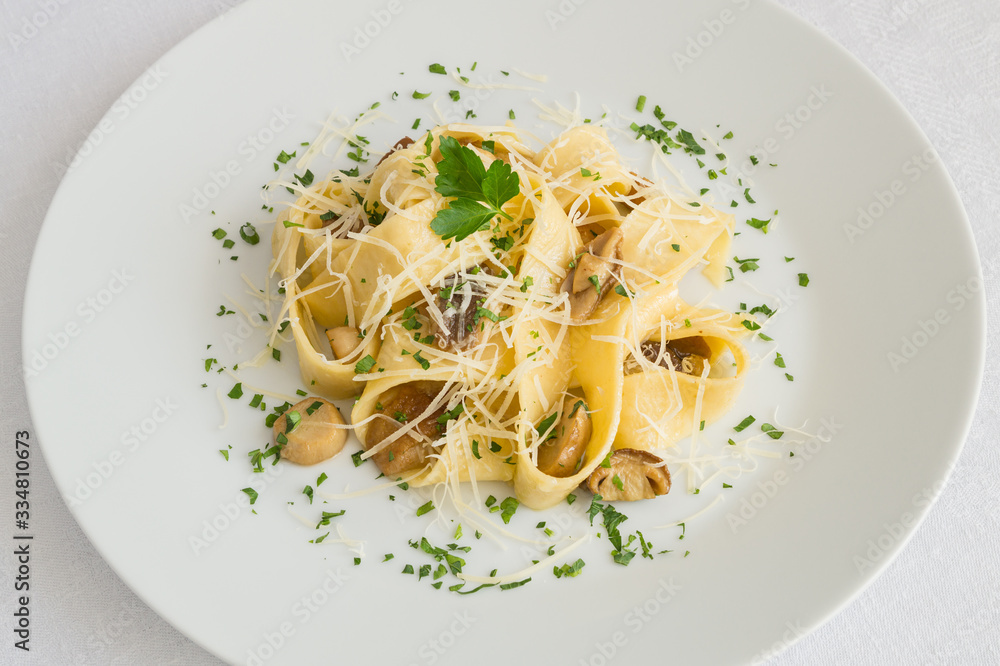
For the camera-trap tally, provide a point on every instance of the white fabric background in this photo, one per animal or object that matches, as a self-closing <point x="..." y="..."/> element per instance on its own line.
<point x="938" y="603"/>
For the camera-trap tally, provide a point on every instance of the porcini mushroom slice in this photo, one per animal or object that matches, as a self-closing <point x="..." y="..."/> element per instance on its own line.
<point x="633" y="475"/>
<point x="308" y="432"/>
<point x="343" y="340"/>
<point x="560" y="455"/>
<point x="458" y="301"/>
<point x="593" y="273"/>
<point x="686" y="355"/>
<point x="400" y="145"/>
<point x="395" y="409"/>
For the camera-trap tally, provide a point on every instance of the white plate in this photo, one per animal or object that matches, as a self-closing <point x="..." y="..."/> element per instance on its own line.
<point x="122" y="291"/>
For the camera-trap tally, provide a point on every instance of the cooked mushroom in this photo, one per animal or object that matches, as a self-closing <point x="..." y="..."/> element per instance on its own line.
<point x="560" y="455"/>
<point x="592" y="274"/>
<point x="634" y="200"/>
<point x="402" y="143"/>
<point x="395" y="408"/>
<point x="633" y="475"/>
<point x="307" y="433"/>
<point x="687" y="355"/>
<point x="343" y="340"/>
<point x="459" y="301"/>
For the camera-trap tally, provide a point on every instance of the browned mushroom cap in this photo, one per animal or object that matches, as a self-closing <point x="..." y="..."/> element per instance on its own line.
<point x="633" y="475"/>
<point x="458" y="300"/>
<point x="397" y="407"/>
<point x="402" y="143"/>
<point x="343" y="340"/>
<point x="592" y="274"/>
<point x="560" y="455"/>
<point x="307" y="433"/>
<point x="686" y="355"/>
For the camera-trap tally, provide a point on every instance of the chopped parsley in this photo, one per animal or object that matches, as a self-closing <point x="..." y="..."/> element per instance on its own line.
<point x="364" y="365"/>
<point x="569" y="570"/>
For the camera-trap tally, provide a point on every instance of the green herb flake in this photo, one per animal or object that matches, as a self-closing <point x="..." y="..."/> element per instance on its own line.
<point x="689" y="142"/>
<point x="569" y="570"/>
<point x="771" y="431"/>
<point x="364" y="365"/>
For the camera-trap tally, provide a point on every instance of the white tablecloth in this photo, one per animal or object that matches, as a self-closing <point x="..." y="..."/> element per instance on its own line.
<point x="63" y="64"/>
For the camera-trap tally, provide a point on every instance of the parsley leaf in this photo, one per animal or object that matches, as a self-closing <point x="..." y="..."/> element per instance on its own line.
<point x="479" y="193"/>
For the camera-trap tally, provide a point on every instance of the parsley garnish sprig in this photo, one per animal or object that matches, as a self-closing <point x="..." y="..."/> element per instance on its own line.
<point x="479" y="193"/>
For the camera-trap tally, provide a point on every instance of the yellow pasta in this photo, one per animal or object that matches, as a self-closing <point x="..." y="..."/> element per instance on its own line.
<point x="508" y="315"/>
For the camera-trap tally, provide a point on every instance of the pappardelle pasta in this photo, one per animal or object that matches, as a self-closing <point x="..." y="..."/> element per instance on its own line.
<point x="502" y="314"/>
